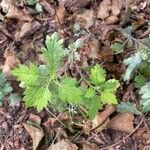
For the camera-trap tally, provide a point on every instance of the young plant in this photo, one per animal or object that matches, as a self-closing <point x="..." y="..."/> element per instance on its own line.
<point x="5" y="87"/>
<point x="100" y="91"/>
<point x="43" y="84"/>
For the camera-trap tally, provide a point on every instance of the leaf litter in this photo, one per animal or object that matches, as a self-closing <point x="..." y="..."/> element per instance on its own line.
<point x="96" y="21"/>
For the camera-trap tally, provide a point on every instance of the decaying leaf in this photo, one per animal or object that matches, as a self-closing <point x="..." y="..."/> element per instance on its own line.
<point x="85" y="18"/>
<point x="14" y="12"/>
<point x="94" y="46"/>
<point x="116" y="7"/>
<point x="35" y="133"/>
<point x="63" y="145"/>
<point x="27" y="29"/>
<point x="11" y="61"/>
<point x="35" y="118"/>
<point x="47" y="7"/>
<point x="101" y="117"/>
<point x="60" y="14"/>
<point x="90" y="146"/>
<point x="112" y="19"/>
<point x="104" y="9"/>
<point x="122" y="122"/>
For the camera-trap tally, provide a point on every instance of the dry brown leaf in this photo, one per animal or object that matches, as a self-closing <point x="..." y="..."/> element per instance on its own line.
<point x="90" y="146"/>
<point x="101" y="117"/>
<point x="104" y="9"/>
<point x="94" y="46"/>
<point x="47" y="6"/>
<point x="76" y="5"/>
<point x="122" y="122"/>
<point x="112" y="19"/>
<point x="14" y="12"/>
<point x="116" y="7"/>
<point x="60" y="14"/>
<point x="106" y="55"/>
<point x="11" y="61"/>
<point x="35" y="118"/>
<point x="35" y="133"/>
<point x="85" y="18"/>
<point x="27" y="29"/>
<point x="63" y="145"/>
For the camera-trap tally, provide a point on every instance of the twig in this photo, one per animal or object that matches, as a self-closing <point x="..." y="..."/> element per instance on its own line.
<point x="56" y="118"/>
<point x="147" y="32"/>
<point x="107" y="147"/>
<point x="4" y="31"/>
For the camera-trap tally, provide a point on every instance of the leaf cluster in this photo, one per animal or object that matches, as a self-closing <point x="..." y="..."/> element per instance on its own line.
<point x="101" y="91"/>
<point x="44" y="85"/>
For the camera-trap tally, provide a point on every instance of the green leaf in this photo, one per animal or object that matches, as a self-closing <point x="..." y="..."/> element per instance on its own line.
<point x="68" y="91"/>
<point x="53" y="53"/>
<point x="107" y="97"/>
<point x="145" y="97"/>
<point x="90" y="92"/>
<point x="7" y="88"/>
<point x="38" y="7"/>
<point x="93" y="105"/>
<point x="31" y="2"/>
<point x="14" y="99"/>
<point x="132" y="63"/>
<point x="27" y="75"/>
<point x="111" y="84"/>
<point x="98" y="75"/>
<point x="128" y="107"/>
<point x="37" y="97"/>
<point x="117" y="48"/>
<point x="139" y="81"/>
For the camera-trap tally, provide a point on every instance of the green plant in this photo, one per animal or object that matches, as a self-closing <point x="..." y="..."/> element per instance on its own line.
<point x="5" y="87"/>
<point x="100" y="91"/>
<point x="35" y="3"/>
<point x="43" y="84"/>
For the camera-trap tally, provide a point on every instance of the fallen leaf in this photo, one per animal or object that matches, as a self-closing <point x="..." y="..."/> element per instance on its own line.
<point x="101" y="117"/>
<point x="122" y="122"/>
<point x="35" y="118"/>
<point x="60" y="14"/>
<point x="94" y="47"/>
<point x="76" y="5"/>
<point x="35" y="133"/>
<point x="11" y="61"/>
<point x="63" y="145"/>
<point x="104" y="9"/>
<point x="116" y="7"/>
<point x="14" y="12"/>
<point x="47" y="7"/>
<point x="85" y="18"/>
<point x="90" y="146"/>
<point x="112" y="19"/>
<point x="106" y="55"/>
<point x="27" y="29"/>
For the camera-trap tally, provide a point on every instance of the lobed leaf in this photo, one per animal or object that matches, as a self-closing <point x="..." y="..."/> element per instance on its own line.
<point x="68" y="91"/>
<point x="98" y="75"/>
<point x="53" y="53"/>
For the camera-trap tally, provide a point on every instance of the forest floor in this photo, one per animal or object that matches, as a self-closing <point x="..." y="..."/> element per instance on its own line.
<point x="24" y="26"/>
